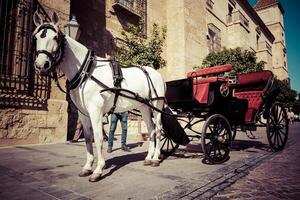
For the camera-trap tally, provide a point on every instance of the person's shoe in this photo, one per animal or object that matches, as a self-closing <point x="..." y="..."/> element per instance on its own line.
<point x="125" y="148"/>
<point x="109" y="149"/>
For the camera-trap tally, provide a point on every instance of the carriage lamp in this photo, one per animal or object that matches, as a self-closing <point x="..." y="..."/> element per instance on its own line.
<point x="72" y="28"/>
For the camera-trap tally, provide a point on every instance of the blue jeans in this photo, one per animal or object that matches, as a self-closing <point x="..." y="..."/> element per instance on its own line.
<point x="123" y="116"/>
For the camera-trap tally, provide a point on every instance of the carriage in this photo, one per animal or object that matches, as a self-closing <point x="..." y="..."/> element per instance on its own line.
<point x="212" y="104"/>
<point x="216" y="97"/>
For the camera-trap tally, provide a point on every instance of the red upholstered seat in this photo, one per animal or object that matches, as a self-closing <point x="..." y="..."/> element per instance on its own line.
<point x="251" y="86"/>
<point x="254" y="101"/>
<point x="201" y="84"/>
<point x="254" y="77"/>
<point x="209" y="71"/>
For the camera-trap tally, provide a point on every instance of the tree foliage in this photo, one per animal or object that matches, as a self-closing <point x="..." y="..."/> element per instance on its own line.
<point x="136" y="50"/>
<point x="242" y="61"/>
<point x="287" y="95"/>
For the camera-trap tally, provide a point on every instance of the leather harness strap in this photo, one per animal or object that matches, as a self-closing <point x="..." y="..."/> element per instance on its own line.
<point x="83" y="72"/>
<point x="118" y="78"/>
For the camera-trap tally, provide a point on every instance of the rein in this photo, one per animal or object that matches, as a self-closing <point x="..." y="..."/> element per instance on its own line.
<point x="84" y="73"/>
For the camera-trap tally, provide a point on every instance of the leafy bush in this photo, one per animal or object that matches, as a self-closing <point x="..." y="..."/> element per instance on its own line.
<point x="242" y="61"/>
<point x="136" y="50"/>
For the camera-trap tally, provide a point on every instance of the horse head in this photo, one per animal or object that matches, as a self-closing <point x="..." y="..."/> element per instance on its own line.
<point x="49" y="43"/>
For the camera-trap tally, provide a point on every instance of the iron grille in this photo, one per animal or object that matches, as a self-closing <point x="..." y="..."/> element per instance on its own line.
<point x="20" y="87"/>
<point x="136" y="7"/>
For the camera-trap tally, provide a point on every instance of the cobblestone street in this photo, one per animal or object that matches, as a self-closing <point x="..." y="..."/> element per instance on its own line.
<point x="275" y="178"/>
<point x="252" y="172"/>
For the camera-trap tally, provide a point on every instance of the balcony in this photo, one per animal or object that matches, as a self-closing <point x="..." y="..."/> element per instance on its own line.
<point x="135" y="8"/>
<point x="264" y="46"/>
<point x="238" y="17"/>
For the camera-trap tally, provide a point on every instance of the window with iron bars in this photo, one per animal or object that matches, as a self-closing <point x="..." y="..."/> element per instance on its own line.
<point x="20" y="87"/>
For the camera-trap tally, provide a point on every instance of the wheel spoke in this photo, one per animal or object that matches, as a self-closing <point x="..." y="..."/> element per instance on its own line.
<point x="280" y="117"/>
<point x="172" y="144"/>
<point x="279" y="136"/>
<point x="164" y="142"/>
<point x="282" y="132"/>
<point x="219" y="150"/>
<point x="221" y="129"/>
<point x="168" y="143"/>
<point x="271" y="134"/>
<point x="210" y="129"/>
<point x="209" y="145"/>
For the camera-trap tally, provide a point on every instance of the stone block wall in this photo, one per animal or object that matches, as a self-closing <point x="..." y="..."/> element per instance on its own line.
<point x="23" y="126"/>
<point x="20" y="126"/>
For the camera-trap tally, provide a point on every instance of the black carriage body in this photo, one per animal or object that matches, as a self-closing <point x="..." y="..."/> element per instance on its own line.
<point x="180" y="96"/>
<point x="249" y="97"/>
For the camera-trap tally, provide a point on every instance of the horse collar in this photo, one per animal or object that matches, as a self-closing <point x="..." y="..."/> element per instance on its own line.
<point x="83" y="71"/>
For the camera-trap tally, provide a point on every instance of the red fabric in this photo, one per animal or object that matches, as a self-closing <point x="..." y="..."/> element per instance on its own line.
<point x="254" y="77"/>
<point x="201" y="92"/>
<point x="201" y="87"/>
<point x="254" y="101"/>
<point x="211" y="70"/>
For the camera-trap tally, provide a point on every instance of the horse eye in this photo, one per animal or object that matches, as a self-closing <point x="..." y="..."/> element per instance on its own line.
<point x="55" y="38"/>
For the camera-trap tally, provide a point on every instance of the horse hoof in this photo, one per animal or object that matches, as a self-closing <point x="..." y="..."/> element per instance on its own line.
<point x="155" y="163"/>
<point x="85" y="173"/>
<point x="147" y="162"/>
<point x="95" y="178"/>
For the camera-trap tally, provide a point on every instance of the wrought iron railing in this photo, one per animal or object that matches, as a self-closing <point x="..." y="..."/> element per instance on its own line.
<point x="135" y="6"/>
<point x="20" y="87"/>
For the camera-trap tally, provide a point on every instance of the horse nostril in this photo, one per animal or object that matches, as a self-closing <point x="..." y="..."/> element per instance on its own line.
<point x="37" y="65"/>
<point x="47" y="64"/>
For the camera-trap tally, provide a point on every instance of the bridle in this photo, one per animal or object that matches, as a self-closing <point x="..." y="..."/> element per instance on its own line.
<point x="57" y="55"/>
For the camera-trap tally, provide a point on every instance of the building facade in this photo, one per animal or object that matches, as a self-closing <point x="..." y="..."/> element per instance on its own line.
<point x="194" y="28"/>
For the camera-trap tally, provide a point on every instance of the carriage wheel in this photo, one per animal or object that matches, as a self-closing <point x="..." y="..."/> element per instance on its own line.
<point x="277" y="127"/>
<point x="168" y="146"/>
<point x="216" y="139"/>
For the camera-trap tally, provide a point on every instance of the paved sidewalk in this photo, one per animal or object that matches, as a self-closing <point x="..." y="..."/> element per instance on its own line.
<point x="50" y="172"/>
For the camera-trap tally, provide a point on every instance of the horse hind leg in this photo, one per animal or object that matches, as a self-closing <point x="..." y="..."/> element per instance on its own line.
<point x="147" y="117"/>
<point x="87" y="130"/>
<point x="158" y="127"/>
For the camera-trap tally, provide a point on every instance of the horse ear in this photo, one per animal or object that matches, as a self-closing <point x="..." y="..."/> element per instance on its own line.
<point x="37" y="20"/>
<point x="55" y="18"/>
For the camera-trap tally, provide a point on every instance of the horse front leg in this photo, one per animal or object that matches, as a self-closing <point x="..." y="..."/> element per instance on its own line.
<point x="96" y="120"/>
<point x="88" y="136"/>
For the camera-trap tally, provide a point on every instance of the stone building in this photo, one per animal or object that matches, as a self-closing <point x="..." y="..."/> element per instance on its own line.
<point x="33" y="110"/>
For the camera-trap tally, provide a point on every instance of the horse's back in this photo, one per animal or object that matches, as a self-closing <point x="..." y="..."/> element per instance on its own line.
<point x="136" y="79"/>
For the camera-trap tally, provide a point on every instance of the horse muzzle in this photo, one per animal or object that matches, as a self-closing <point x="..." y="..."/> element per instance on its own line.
<point x="42" y="69"/>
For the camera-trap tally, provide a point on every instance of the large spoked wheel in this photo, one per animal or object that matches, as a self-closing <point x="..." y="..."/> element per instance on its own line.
<point x="277" y="127"/>
<point x="168" y="146"/>
<point x="216" y="139"/>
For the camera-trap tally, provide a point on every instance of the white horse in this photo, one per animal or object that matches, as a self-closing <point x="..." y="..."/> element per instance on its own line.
<point x="56" y="49"/>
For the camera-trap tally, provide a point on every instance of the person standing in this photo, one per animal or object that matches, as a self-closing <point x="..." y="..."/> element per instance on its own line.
<point x="79" y="132"/>
<point x="122" y="116"/>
